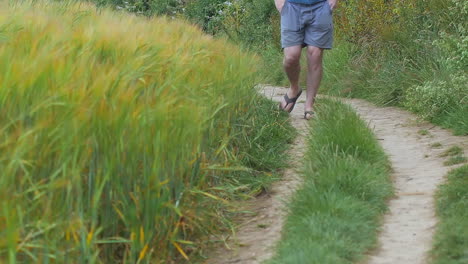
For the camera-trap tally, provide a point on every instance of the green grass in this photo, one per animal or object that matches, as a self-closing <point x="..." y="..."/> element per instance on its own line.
<point x="451" y="239"/>
<point x="335" y="215"/>
<point x="416" y="84"/>
<point x="452" y="151"/>
<point x="124" y="138"/>
<point x="415" y="61"/>
<point x="455" y="160"/>
<point x="455" y="156"/>
<point x="423" y="132"/>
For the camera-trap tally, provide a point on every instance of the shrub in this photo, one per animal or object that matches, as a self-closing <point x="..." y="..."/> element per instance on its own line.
<point x="146" y="7"/>
<point x="207" y="13"/>
<point x="437" y="97"/>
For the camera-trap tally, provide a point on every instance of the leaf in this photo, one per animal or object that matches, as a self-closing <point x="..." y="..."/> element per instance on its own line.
<point x="143" y="252"/>
<point x="180" y="250"/>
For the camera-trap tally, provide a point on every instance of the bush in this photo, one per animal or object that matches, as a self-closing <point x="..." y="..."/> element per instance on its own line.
<point x="438" y="97"/>
<point x="207" y="13"/>
<point x="146" y="7"/>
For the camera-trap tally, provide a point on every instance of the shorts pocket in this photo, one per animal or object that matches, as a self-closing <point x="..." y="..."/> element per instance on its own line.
<point x="289" y="18"/>
<point x="284" y="7"/>
<point x="329" y="7"/>
<point x="324" y="17"/>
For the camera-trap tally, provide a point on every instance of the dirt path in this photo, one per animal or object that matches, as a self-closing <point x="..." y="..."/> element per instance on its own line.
<point x="257" y="236"/>
<point x="418" y="169"/>
<point x="408" y="228"/>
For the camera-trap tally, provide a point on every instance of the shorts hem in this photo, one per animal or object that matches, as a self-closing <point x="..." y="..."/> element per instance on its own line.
<point x="327" y="47"/>
<point x="303" y="45"/>
<point x="293" y="44"/>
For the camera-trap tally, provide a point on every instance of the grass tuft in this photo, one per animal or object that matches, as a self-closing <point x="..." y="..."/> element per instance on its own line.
<point x="452" y="151"/>
<point x="423" y="132"/>
<point x="455" y="160"/>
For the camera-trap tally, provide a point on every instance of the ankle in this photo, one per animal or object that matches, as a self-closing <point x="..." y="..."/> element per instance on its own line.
<point x="294" y="90"/>
<point x="307" y="109"/>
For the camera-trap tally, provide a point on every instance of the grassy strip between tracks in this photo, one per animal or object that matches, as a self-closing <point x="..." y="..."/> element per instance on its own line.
<point x="335" y="216"/>
<point x="451" y="239"/>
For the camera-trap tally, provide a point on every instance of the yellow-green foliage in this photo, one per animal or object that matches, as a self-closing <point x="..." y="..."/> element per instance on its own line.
<point x="407" y="53"/>
<point x="367" y="20"/>
<point x="111" y="126"/>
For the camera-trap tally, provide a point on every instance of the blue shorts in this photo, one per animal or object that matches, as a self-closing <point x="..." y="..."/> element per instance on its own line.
<point x="307" y="25"/>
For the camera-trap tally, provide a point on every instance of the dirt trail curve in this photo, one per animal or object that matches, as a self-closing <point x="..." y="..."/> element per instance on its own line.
<point x="418" y="169"/>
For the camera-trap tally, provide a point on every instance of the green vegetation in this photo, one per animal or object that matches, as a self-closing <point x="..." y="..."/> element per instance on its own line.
<point x="418" y="59"/>
<point x="451" y="239"/>
<point x="251" y="24"/>
<point x="452" y="151"/>
<point x="436" y="145"/>
<point x="123" y="139"/>
<point x="455" y="154"/>
<point x="335" y="215"/>
<point x="455" y="160"/>
<point x="423" y="132"/>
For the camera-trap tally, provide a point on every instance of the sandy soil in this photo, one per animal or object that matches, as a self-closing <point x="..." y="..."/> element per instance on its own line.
<point x="407" y="228"/>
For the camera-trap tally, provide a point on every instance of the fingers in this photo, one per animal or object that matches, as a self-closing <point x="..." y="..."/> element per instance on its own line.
<point x="280" y="7"/>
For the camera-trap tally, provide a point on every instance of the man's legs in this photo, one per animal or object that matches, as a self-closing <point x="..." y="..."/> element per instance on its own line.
<point x="314" y="76"/>
<point x="292" y="67"/>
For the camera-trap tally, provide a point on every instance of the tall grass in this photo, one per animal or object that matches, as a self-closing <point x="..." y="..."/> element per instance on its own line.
<point x="334" y="216"/>
<point x="254" y="25"/>
<point x="121" y="137"/>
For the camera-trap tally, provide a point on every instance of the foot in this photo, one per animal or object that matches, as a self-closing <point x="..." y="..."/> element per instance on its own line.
<point x="308" y="115"/>
<point x="288" y="102"/>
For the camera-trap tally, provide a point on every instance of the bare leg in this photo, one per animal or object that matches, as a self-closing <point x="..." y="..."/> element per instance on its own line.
<point x="292" y="67"/>
<point x="314" y="76"/>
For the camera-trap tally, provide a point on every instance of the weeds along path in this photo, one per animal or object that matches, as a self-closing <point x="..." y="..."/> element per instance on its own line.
<point x="414" y="149"/>
<point x="257" y="235"/>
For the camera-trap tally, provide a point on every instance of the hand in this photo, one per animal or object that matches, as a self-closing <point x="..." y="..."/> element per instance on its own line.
<point x="332" y="4"/>
<point x="279" y="4"/>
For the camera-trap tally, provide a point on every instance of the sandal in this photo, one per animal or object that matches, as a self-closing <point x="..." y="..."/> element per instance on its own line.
<point x="290" y="101"/>
<point x="311" y="113"/>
